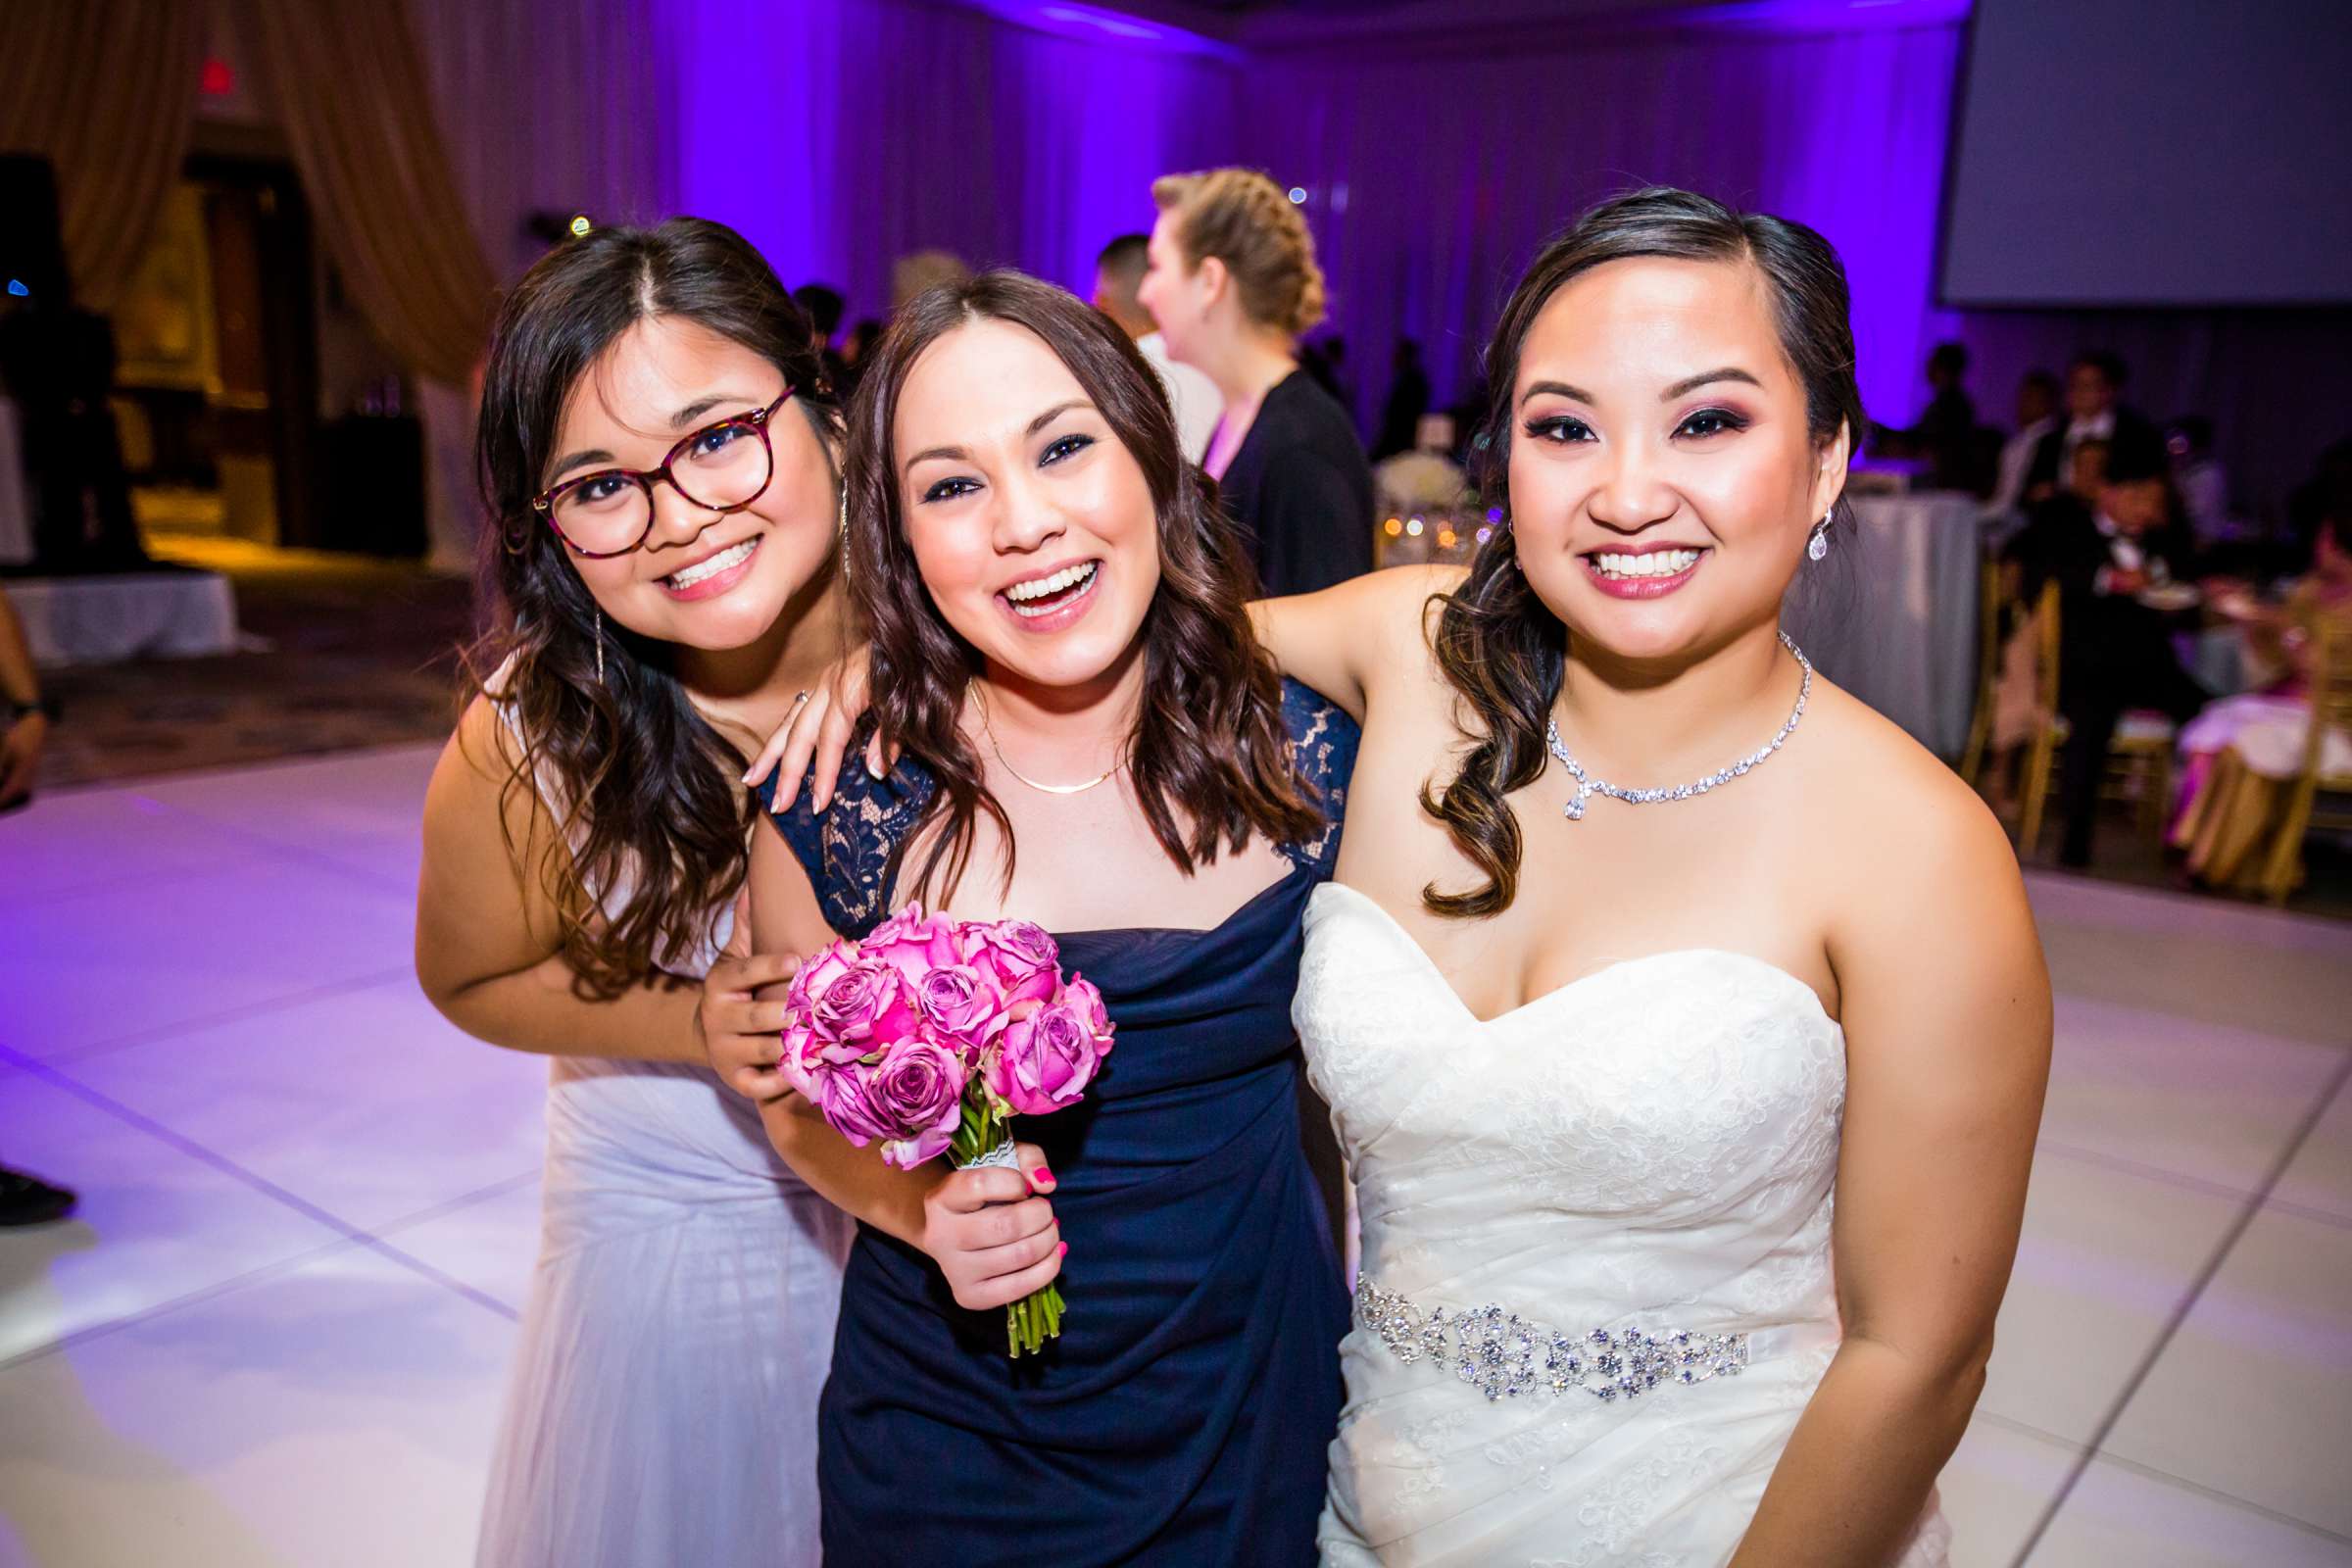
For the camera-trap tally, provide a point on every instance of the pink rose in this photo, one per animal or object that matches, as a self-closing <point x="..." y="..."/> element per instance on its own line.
<point x="861" y="1009"/>
<point x="1022" y="956"/>
<point x="918" y="1087"/>
<point x="1046" y="1060"/>
<point x="962" y="1006"/>
<point x="817" y="971"/>
<point x="845" y="1096"/>
<point x="800" y="1062"/>
<point x="913" y="942"/>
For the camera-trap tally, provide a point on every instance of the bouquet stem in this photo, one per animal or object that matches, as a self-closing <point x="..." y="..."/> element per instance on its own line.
<point x="985" y="1137"/>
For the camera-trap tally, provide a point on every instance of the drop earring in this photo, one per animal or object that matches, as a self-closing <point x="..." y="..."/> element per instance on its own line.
<point x="600" y="647"/>
<point x="1819" y="546"/>
<point x="843" y="532"/>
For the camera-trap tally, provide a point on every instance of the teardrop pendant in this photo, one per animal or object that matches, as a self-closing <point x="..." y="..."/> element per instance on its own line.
<point x="1819" y="546"/>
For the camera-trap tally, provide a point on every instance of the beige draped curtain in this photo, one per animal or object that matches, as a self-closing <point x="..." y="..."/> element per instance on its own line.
<point x="351" y="93"/>
<point x="107" y="92"/>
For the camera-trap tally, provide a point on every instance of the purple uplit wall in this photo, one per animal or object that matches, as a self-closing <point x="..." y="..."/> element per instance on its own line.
<point x="1433" y="180"/>
<point x="842" y="134"/>
<point x="839" y="135"/>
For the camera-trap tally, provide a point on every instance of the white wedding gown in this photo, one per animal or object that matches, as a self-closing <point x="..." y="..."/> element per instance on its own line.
<point x="1651" y="1148"/>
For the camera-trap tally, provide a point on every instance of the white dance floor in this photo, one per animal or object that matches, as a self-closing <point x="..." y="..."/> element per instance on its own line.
<point x="277" y="1332"/>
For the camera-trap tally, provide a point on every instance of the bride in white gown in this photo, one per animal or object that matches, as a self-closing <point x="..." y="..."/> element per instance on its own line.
<point x="1689" y="1120"/>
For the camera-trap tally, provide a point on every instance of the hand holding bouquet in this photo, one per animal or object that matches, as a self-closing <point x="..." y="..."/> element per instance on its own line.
<point x="931" y="1034"/>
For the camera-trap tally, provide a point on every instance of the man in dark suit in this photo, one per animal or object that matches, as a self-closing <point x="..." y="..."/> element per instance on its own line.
<point x="2094" y="385"/>
<point x="2115" y="652"/>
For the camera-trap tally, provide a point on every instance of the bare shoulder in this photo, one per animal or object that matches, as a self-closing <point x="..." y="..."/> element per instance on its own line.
<point x="477" y="761"/>
<point x="1909" y="844"/>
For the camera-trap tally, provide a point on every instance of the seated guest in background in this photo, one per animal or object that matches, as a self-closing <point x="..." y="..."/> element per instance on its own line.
<point x="1946" y="432"/>
<point x="1232" y="282"/>
<point x="2241" y="754"/>
<point x="1119" y="273"/>
<point x="2056" y="521"/>
<point x="2094" y="383"/>
<point x="2115" y="651"/>
<point x="2036" y="417"/>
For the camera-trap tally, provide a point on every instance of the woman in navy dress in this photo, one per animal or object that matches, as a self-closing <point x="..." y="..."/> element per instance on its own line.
<point x="1060" y="648"/>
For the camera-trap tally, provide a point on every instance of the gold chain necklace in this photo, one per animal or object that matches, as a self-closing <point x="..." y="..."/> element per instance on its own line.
<point x="981" y="697"/>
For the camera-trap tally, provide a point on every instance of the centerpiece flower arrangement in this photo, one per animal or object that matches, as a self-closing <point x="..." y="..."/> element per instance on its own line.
<point x="931" y="1034"/>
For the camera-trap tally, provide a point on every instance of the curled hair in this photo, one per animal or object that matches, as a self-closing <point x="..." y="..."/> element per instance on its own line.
<point x="1210" y="756"/>
<point x="1497" y="643"/>
<point x="651" y="819"/>
<point x="1244" y="220"/>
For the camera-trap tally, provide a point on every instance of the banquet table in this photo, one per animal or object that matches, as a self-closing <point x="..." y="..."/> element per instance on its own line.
<point x="1892" y="613"/>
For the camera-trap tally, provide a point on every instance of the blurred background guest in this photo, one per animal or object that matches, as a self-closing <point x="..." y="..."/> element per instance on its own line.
<point x="918" y="271"/>
<point x="2111" y="562"/>
<point x="2094" y="384"/>
<point x="858" y="350"/>
<point x="2036" y="417"/>
<point x="1233" y="283"/>
<point x="1118" y="275"/>
<point x="1946" y="438"/>
<point x="57" y="362"/>
<point x="2243" y="752"/>
<point x="824" y="305"/>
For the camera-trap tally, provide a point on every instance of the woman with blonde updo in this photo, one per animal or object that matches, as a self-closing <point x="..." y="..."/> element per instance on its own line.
<point x="1232" y="281"/>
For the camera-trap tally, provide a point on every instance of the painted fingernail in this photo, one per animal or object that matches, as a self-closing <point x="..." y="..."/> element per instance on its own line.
<point x="1061" y="1250"/>
<point x="1041" y="1178"/>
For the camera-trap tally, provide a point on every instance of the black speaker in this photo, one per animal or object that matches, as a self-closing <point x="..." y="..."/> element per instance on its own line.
<point x="33" y="245"/>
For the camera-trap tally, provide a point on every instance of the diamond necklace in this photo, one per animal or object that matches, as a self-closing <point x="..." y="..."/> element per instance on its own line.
<point x="1588" y="786"/>
<point x="997" y="747"/>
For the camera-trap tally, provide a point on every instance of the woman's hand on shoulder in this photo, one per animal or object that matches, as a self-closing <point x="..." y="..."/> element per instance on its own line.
<point x="992" y="1234"/>
<point x="1345" y="640"/>
<point x="816" y="735"/>
<point x="740" y="1028"/>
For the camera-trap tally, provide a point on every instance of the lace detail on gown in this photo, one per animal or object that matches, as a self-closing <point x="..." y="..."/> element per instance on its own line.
<point x="1655" y="1144"/>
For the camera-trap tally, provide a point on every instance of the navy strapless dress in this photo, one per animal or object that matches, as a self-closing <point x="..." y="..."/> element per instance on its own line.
<point x="1184" y="1412"/>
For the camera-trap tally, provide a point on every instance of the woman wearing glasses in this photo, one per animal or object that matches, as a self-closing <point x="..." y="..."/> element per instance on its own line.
<point x="661" y="451"/>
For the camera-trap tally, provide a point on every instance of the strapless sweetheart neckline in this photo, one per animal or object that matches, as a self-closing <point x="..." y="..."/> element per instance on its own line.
<point x="1616" y="967"/>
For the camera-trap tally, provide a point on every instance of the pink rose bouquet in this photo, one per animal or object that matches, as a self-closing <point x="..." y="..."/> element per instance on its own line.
<point x="931" y="1035"/>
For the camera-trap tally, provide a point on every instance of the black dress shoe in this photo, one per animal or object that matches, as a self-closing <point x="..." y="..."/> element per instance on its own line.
<point x="29" y="1201"/>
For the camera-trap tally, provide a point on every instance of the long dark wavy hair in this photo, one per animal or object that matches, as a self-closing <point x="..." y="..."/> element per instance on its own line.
<point x="1209" y="757"/>
<point x="645" y="791"/>
<point x="1497" y="643"/>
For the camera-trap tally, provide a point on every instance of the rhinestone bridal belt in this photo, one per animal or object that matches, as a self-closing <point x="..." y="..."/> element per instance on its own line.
<point x="1503" y="1355"/>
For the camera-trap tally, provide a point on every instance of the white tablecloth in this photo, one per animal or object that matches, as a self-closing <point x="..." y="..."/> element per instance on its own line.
<point x="16" y="506"/>
<point x="131" y="614"/>
<point x="1891" y="614"/>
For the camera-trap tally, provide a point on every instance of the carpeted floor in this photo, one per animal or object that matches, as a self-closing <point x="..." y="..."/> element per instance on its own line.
<point x="346" y="652"/>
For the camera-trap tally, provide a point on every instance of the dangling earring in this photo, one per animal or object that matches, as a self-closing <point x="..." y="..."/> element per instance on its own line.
<point x="1819" y="546"/>
<point x="843" y="532"/>
<point x="600" y="647"/>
